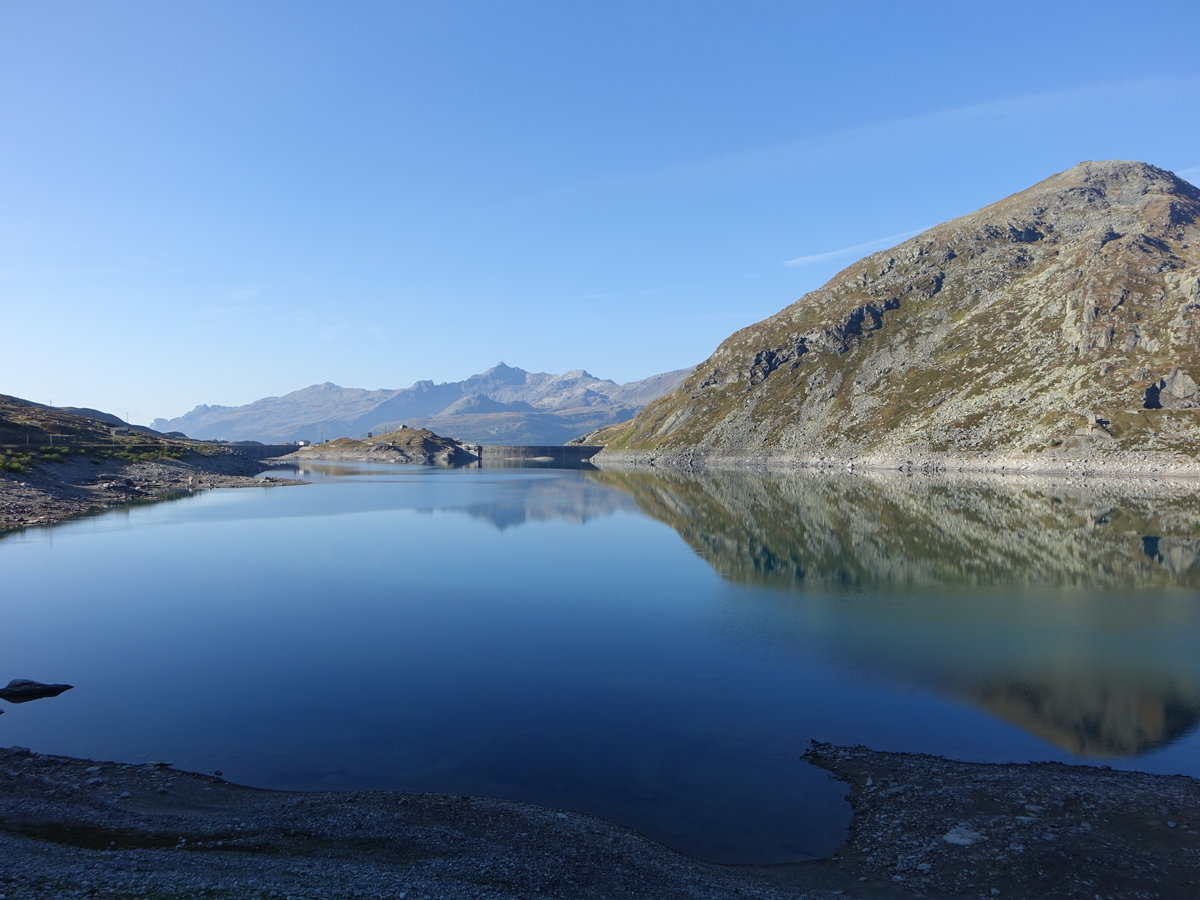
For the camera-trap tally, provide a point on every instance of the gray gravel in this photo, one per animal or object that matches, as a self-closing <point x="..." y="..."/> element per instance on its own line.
<point x="76" y="828"/>
<point x="1098" y="465"/>
<point x="53" y="492"/>
<point x="923" y="827"/>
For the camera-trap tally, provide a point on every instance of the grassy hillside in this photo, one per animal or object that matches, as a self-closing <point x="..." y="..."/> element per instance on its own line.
<point x="31" y="433"/>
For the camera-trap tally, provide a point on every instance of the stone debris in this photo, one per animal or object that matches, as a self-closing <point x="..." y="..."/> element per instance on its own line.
<point x="1034" y="830"/>
<point x="1023" y="831"/>
<point x="52" y="492"/>
<point x="962" y="835"/>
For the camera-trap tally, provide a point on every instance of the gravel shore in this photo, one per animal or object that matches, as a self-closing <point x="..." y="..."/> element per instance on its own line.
<point x="53" y="492"/>
<point x="1106" y="464"/>
<point x="923" y="827"/>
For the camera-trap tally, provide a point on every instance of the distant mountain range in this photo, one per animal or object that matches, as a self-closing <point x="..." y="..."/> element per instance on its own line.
<point x="504" y="405"/>
<point x="1063" y="320"/>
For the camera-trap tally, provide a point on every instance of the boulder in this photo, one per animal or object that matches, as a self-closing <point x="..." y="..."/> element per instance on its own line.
<point x="22" y="690"/>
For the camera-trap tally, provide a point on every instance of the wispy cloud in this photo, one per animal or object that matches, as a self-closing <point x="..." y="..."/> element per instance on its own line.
<point x="325" y="330"/>
<point x="1004" y="111"/>
<point x="666" y="289"/>
<point x="1010" y="113"/>
<point x="244" y="292"/>
<point x="642" y="292"/>
<point x="224" y="315"/>
<point x="852" y="250"/>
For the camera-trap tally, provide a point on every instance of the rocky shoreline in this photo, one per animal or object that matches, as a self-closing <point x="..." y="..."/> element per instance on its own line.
<point x="56" y="491"/>
<point x="1108" y="464"/>
<point x="923" y="827"/>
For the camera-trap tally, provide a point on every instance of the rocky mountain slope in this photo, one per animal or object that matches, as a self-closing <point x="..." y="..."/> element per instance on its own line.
<point x="1061" y="320"/>
<point x="24" y="423"/>
<point x="56" y="463"/>
<point x="504" y="405"/>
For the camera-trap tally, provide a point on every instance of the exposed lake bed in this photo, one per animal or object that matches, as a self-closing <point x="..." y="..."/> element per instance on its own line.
<point x="627" y="690"/>
<point x="55" y="492"/>
<point x="924" y="827"/>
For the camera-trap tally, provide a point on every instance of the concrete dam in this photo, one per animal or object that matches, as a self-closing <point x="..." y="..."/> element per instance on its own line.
<point x="554" y="457"/>
<point x="263" y="451"/>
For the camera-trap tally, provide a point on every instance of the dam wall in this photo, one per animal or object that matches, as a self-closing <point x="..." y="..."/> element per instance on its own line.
<point x="554" y="457"/>
<point x="263" y="451"/>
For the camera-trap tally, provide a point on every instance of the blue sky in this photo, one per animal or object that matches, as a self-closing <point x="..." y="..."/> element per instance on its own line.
<point x="212" y="202"/>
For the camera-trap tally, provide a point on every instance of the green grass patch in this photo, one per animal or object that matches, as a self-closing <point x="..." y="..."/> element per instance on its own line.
<point x="15" y="462"/>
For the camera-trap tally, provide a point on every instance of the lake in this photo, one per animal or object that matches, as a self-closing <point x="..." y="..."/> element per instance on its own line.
<point x="655" y="649"/>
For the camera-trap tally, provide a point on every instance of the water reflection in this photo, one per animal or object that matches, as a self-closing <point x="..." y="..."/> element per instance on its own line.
<point x="548" y="499"/>
<point x="1095" y="714"/>
<point x="533" y="635"/>
<point x="786" y="530"/>
<point x="1068" y="610"/>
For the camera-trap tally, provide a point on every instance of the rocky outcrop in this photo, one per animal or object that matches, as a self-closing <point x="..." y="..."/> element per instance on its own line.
<point x="1019" y="329"/>
<point x="404" y="445"/>
<point x="22" y="690"/>
<point x="1177" y="391"/>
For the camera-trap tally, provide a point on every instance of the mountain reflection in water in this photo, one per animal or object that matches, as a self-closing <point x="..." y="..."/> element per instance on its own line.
<point x="576" y="501"/>
<point x="1082" y="619"/>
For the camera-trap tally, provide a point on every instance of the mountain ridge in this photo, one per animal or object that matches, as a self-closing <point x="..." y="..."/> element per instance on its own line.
<point x="503" y="405"/>
<point x="1053" y="321"/>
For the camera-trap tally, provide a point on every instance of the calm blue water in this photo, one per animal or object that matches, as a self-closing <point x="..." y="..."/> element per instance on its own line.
<point x="657" y="651"/>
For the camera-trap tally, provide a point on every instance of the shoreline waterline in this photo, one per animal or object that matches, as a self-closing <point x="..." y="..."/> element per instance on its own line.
<point x="1113" y="465"/>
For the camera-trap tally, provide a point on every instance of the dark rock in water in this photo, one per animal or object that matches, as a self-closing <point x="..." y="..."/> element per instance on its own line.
<point x="22" y="690"/>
